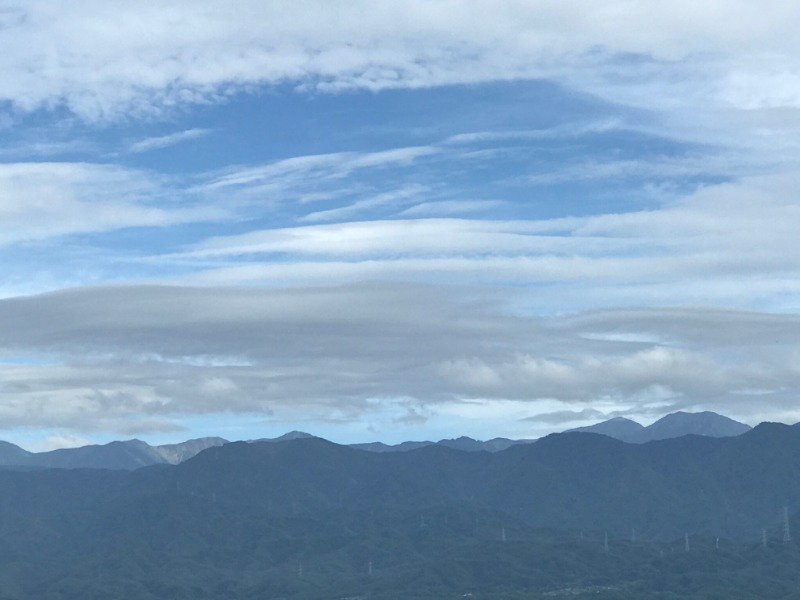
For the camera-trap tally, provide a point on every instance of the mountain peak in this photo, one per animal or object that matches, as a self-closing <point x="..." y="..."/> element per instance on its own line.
<point x="463" y="443"/>
<point x="705" y="423"/>
<point x="620" y="428"/>
<point x="673" y="425"/>
<point x="177" y="453"/>
<point x="292" y="435"/>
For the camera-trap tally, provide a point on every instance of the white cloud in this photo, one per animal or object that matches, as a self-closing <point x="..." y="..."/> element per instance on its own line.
<point x="299" y="169"/>
<point x="165" y="141"/>
<point x="402" y="196"/>
<point x="56" y="441"/>
<point x="725" y="244"/>
<point x="419" y="237"/>
<point x="452" y="207"/>
<point x="683" y="373"/>
<point x="105" y="59"/>
<point x="45" y="200"/>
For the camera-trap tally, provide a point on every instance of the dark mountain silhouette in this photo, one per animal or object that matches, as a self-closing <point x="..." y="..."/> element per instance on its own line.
<point x="303" y="518"/>
<point x="716" y="486"/>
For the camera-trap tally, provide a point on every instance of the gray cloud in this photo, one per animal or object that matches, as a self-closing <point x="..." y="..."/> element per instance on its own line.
<point x="128" y="357"/>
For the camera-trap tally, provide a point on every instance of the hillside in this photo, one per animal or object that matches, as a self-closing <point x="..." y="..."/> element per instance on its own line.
<point x="305" y="518"/>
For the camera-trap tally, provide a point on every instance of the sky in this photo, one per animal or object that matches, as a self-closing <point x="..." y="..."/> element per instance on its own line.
<point x="395" y="220"/>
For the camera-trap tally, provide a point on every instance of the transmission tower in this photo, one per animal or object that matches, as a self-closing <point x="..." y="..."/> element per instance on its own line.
<point x="787" y="532"/>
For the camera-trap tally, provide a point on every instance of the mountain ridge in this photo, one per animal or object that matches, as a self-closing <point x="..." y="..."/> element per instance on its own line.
<point x="732" y="486"/>
<point x="135" y="454"/>
<point x="124" y="455"/>
<point x="244" y="519"/>
<point x="677" y="424"/>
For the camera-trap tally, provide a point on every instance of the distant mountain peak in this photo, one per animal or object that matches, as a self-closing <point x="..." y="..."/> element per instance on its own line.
<point x="464" y="443"/>
<point x="677" y="424"/>
<point x="289" y="436"/>
<point x="705" y="423"/>
<point x="177" y="453"/>
<point x="619" y="428"/>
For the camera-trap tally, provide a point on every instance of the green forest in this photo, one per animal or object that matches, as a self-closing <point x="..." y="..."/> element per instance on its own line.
<point x="573" y="516"/>
<point x="449" y="552"/>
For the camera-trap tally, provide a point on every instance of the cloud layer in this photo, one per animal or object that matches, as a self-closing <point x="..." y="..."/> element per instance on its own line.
<point x="147" y="356"/>
<point x="109" y="59"/>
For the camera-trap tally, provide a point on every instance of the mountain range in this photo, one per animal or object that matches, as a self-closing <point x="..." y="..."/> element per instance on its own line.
<point x="127" y="455"/>
<point x="730" y="486"/>
<point x="304" y="518"/>
<point x="134" y="454"/>
<point x="670" y="426"/>
<point x="464" y="443"/>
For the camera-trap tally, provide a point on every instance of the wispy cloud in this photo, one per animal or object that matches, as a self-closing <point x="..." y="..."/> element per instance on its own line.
<point x="47" y="200"/>
<point x="721" y="232"/>
<point x="357" y="209"/>
<point x="531" y="135"/>
<point x="319" y="167"/>
<point x="165" y="141"/>
<point x="452" y="207"/>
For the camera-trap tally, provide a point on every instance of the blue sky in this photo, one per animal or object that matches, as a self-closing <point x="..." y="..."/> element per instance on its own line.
<point x="394" y="220"/>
